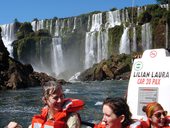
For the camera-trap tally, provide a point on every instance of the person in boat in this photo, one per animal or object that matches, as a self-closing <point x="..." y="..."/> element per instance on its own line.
<point x="116" y="114"/>
<point x="156" y="116"/>
<point x="58" y="112"/>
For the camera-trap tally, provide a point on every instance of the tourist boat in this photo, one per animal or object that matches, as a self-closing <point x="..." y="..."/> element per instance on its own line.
<point x="149" y="81"/>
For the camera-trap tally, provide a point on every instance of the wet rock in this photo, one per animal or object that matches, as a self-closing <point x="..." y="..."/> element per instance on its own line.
<point x="15" y="75"/>
<point x="117" y="67"/>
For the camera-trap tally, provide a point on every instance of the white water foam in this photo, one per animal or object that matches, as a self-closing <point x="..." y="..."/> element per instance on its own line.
<point x="98" y="103"/>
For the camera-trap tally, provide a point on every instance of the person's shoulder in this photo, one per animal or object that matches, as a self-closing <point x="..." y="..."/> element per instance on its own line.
<point x="74" y="120"/>
<point x="136" y="124"/>
<point x="73" y="115"/>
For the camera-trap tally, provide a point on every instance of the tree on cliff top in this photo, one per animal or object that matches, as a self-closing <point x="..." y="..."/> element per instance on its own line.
<point x="162" y="1"/>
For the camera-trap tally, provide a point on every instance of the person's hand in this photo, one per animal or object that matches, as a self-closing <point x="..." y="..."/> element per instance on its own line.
<point x="14" y="125"/>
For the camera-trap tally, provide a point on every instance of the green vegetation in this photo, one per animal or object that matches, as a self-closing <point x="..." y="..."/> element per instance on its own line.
<point x="162" y="1"/>
<point x="115" y="35"/>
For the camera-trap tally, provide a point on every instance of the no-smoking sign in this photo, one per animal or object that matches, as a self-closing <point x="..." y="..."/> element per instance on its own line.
<point x="153" y="54"/>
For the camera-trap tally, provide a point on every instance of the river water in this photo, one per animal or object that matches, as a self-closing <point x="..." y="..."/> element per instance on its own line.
<point x="21" y="105"/>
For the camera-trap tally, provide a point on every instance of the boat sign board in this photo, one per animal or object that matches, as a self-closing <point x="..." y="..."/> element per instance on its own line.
<point x="149" y="81"/>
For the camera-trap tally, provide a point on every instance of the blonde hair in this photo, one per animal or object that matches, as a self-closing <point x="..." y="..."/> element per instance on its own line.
<point x="50" y="88"/>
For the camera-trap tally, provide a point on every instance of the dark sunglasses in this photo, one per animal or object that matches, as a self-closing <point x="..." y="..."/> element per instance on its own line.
<point x="158" y="114"/>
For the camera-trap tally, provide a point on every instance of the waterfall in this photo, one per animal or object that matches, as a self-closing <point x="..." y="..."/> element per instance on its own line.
<point x="42" y="24"/>
<point x="134" y="46"/>
<point x="39" y="64"/>
<point x="96" y="22"/>
<point x="74" y="27"/>
<point x="88" y="23"/>
<point x="90" y="48"/>
<point x="113" y="19"/>
<point x="62" y="26"/>
<point x="90" y="45"/>
<point x="146" y="36"/>
<point x="57" y="30"/>
<point x="37" y="25"/>
<point x="124" y="16"/>
<point x="102" y="48"/>
<point x="41" y="54"/>
<point x="96" y="41"/>
<point x="8" y="36"/>
<point x="91" y="41"/>
<point x="125" y="42"/>
<point x="51" y="26"/>
<point x="57" y="63"/>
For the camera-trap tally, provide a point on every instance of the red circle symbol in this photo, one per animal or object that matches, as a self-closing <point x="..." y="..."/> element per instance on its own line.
<point x="153" y="54"/>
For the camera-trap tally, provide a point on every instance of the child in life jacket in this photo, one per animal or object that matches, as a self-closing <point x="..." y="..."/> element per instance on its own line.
<point x="116" y="114"/>
<point x="58" y="112"/>
<point x="156" y="116"/>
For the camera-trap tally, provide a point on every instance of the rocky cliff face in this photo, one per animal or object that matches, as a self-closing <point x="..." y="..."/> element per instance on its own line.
<point x="15" y="75"/>
<point x="117" y="67"/>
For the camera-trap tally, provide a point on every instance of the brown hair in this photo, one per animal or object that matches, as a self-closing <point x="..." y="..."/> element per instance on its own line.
<point x="120" y="107"/>
<point x="50" y="87"/>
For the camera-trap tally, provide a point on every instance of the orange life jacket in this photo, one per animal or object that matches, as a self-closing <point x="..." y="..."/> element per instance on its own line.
<point x="59" y="119"/>
<point x="136" y="124"/>
<point x="100" y="125"/>
<point x="145" y="123"/>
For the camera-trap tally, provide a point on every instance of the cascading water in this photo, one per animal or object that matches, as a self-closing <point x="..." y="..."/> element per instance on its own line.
<point x="113" y="19"/>
<point x="88" y="36"/>
<point x="146" y="36"/>
<point x="90" y="46"/>
<point x="57" y="64"/>
<point x="91" y="41"/>
<point x="96" y="47"/>
<point x="40" y="64"/>
<point x="8" y="36"/>
<point x="88" y="23"/>
<point x="41" y="55"/>
<point x="74" y="27"/>
<point x="57" y="28"/>
<point x="57" y="56"/>
<point x="102" y="48"/>
<point x="134" y="46"/>
<point x="125" y="42"/>
<point x="37" y="25"/>
<point x="96" y="22"/>
<point x="124" y="16"/>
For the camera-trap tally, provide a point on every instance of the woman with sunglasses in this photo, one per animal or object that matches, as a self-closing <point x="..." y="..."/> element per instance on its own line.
<point x="156" y="116"/>
<point x="116" y="114"/>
